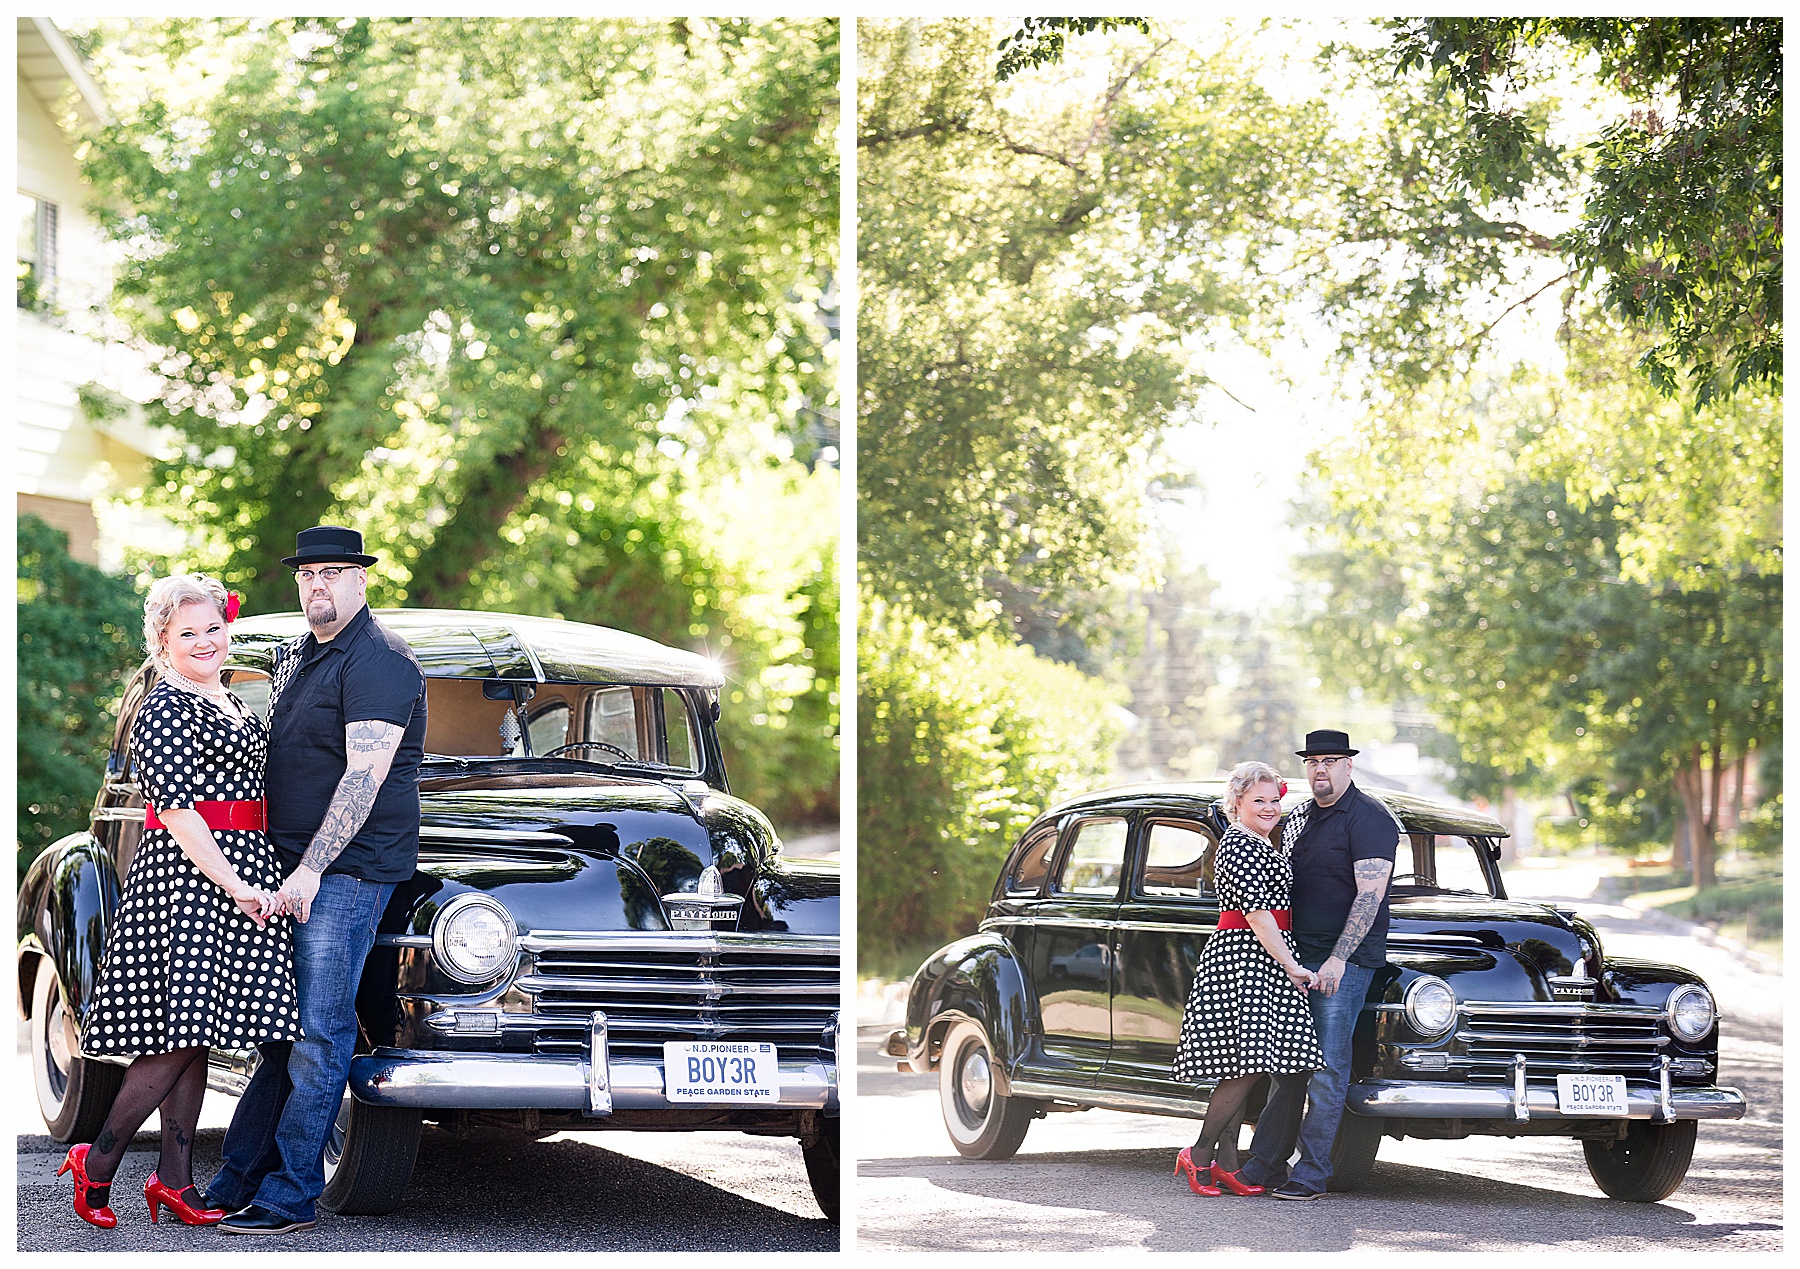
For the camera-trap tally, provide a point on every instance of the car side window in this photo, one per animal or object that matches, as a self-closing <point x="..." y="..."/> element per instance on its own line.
<point x="1094" y="860"/>
<point x="1032" y="863"/>
<point x="679" y="747"/>
<point x="1178" y="861"/>
<point x="612" y="717"/>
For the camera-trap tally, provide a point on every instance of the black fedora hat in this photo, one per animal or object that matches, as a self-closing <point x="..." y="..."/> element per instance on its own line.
<point x="328" y="544"/>
<point x="1325" y="742"/>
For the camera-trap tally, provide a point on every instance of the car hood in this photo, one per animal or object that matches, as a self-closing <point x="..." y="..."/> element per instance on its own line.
<point x="613" y="848"/>
<point x="1506" y="937"/>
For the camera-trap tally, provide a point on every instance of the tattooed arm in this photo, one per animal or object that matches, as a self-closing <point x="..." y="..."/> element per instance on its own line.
<point x="1371" y="884"/>
<point x="369" y="749"/>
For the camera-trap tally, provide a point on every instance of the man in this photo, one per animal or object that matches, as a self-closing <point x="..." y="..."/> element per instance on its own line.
<point x="1342" y="846"/>
<point x="346" y="736"/>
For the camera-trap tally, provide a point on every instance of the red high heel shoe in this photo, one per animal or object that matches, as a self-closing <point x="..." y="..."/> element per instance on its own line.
<point x="157" y="1194"/>
<point x="1184" y="1162"/>
<point x="1235" y="1183"/>
<point x="76" y="1162"/>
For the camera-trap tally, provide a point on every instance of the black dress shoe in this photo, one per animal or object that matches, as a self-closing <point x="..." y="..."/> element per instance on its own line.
<point x="1293" y="1190"/>
<point x="257" y="1219"/>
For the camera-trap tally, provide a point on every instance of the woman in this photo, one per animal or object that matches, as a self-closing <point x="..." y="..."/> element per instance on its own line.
<point x="1246" y="1014"/>
<point x="196" y="955"/>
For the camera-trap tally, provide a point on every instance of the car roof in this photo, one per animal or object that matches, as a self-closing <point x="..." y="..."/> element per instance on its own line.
<point x="1416" y="814"/>
<point x="493" y="645"/>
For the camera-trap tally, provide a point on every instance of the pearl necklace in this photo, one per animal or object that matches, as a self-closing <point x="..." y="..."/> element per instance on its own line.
<point x="220" y="696"/>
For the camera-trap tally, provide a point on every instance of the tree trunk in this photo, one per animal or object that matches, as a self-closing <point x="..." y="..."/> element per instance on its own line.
<point x="1691" y="787"/>
<point x="473" y="531"/>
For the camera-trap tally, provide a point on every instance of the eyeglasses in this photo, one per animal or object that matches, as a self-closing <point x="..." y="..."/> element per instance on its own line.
<point x="305" y="575"/>
<point x="1310" y="763"/>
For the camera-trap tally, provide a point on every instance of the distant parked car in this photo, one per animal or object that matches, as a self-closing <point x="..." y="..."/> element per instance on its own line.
<point x="598" y="934"/>
<point x="1493" y="1016"/>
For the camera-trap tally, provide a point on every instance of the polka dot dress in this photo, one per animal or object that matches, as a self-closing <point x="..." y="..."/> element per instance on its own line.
<point x="1243" y="1014"/>
<point x="183" y="965"/>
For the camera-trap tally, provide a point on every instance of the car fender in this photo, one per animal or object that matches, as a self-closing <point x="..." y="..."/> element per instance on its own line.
<point x="65" y="911"/>
<point x="978" y="979"/>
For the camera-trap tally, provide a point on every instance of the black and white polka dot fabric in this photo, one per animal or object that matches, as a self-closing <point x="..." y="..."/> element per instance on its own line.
<point x="1243" y="1015"/>
<point x="184" y="966"/>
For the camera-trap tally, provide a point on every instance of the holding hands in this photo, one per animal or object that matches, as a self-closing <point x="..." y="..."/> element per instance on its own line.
<point x="1302" y="977"/>
<point x="257" y="904"/>
<point x="298" y="891"/>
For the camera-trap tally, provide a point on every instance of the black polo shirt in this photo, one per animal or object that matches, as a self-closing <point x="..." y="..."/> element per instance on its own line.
<point x="1354" y="827"/>
<point x="367" y="673"/>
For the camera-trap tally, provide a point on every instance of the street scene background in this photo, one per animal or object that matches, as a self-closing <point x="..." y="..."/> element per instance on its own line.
<point x="1224" y="379"/>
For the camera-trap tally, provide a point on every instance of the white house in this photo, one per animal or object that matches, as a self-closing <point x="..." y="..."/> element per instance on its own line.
<point x="72" y="461"/>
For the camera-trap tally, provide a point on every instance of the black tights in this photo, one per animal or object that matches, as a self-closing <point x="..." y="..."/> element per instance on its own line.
<point x="1218" y="1141"/>
<point x="175" y="1084"/>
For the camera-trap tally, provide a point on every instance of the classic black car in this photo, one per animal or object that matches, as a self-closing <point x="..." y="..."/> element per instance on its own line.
<point x="1493" y="1016"/>
<point x="598" y="934"/>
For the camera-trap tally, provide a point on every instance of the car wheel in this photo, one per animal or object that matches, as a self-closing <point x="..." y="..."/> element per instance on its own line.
<point x="369" y="1158"/>
<point x="1353" y="1153"/>
<point x="983" y="1124"/>
<point x="74" y="1093"/>
<point x="1648" y="1165"/>
<point x="821" y="1155"/>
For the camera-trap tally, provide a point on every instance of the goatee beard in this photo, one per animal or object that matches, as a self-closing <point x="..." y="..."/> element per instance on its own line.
<point x="318" y="620"/>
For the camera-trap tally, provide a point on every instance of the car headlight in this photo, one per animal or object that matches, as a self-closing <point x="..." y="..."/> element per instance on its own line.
<point x="474" y="938"/>
<point x="1691" y="1011"/>
<point x="1430" y="1005"/>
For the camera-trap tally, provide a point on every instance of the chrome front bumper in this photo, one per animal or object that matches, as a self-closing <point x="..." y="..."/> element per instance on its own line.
<point x="596" y="1084"/>
<point x="1408" y="1099"/>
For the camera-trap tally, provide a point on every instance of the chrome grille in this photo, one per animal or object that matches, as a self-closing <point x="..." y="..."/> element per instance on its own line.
<point x="1559" y="1040"/>
<point x="661" y="987"/>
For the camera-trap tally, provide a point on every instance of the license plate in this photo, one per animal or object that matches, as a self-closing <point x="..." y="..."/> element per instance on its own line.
<point x="720" y="1071"/>
<point x="1591" y="1094"/>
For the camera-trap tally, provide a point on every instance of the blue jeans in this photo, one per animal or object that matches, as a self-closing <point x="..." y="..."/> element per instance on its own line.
<point x="1281" y="1124"/>
<point x="274" y="1152"/>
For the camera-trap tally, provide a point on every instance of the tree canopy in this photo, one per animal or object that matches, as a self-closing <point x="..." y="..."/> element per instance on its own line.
<point x="535" y="303"/>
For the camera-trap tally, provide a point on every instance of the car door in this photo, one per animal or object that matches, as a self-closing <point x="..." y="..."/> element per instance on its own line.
<point x="1070" y="949"/>
<point x="1169" y="911"/>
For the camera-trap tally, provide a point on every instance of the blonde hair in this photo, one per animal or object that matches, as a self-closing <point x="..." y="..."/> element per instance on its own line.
<point x="1244" y="777"/>
<point x="166" y="597"/>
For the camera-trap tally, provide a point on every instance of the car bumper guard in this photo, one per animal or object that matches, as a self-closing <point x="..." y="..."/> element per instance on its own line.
<point x="1407" y="1099"/>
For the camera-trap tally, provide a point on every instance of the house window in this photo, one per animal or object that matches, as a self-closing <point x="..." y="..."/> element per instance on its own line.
<point x="37" y="252"/>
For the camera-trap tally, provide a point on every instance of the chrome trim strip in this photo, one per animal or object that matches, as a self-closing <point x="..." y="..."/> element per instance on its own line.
<point x="403" y="940"/>
<point x="1559" y="1008"/>
<point x="497" y="836"/>
<point x="505" y="1081"/>
<point x="599" y="1089"/>
<point x="1562" y="1040"/>
<point x="1408" y="936"/>
<point x="1053" y="923"/>
<point x="1149" y="1103"/>
<point x="1164" y="927"/>
<point x="120" y="814"/>
<point x="674" y="985"/>
<point x="1423" y="1099"/>
<point x="674" y="941"/>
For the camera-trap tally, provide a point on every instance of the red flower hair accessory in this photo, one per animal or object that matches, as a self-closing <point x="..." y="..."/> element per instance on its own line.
<point x="232" y="600"/>
<point x="1281" y="785"/>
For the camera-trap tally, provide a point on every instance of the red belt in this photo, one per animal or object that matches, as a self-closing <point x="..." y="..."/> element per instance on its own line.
<point x="240" y="815"/>
<point x="1232" y="919"/>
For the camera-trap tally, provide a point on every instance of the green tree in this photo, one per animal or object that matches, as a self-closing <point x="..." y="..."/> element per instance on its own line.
<point x="518" y="298"/>
<point x="1501" y="592"/>
<point x="1680" y="224"/>
<point x="80" y="637"/>
<point x="962" y="742"/>
<point x="1033" y="258"/>
<point x="495" y="247"/>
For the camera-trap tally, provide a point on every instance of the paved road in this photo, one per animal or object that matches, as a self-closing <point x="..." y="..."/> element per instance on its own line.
<point x="488" y="1191"/>
<point x="1099" y="1180"/>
